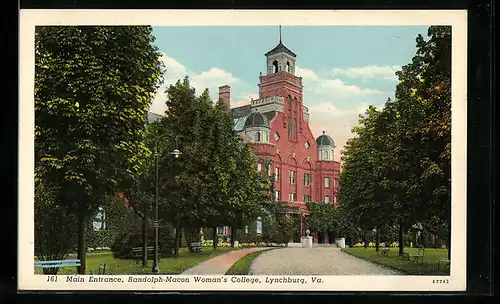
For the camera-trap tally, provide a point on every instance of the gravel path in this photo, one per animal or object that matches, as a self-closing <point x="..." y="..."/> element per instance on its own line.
<point x="314" y="261"/>
<point x="221" y="263"/>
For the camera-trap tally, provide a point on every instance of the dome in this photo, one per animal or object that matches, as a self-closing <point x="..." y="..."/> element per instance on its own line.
<point x="325" y="140"/>
<point x="256" y="119"/>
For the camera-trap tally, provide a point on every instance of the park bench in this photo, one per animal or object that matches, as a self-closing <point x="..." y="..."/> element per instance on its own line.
<point x="418" y="256"/>
<point x="386" y="250"/>
<point x="445" y="261"/>
<point x="57" y="264"/>
<point x="196" y="247"/>
<point x="138" y="253"/>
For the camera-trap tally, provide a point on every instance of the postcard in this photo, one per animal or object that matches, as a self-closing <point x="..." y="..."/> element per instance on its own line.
<point x="237" y="150"/>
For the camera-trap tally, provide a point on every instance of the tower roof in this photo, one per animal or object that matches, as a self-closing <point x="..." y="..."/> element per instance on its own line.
<point x="281" y="48"/>
<point x="256" y="119"/>
<point x="325" y="140"/>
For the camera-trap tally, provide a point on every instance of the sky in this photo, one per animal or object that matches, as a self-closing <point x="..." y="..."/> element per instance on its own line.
<point x="344" y="69"/>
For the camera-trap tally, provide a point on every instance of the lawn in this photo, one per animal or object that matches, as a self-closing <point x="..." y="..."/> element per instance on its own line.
<point x="427" y="265"/>
<point x="242" y="266"/>
<point x="174" y="265"/>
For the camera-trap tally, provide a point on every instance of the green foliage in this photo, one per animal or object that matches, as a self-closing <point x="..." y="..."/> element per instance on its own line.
<point x="55" y="228"/>
<point x="93" y="86"/>
<point x="322" y="217"/>
<point x="117" y="219"/>
<point x="397" y="168"/>
<point x="125" y="241"/>
<point x="214" y="182"/>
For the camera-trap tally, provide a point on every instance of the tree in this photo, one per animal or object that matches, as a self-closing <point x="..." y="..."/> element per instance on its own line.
<point x="93" y="86"/>
<point x="399" y="163"/>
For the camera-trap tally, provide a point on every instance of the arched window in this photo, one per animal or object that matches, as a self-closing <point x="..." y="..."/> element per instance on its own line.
<point x="258" y="227"/>
<point x="287" y="68"/>
<point x="257" y="136"/>
<point x="275" y="66"/>
<point x="289" y="102"/>
<point x="295" y="129"/>
<point x="295" y="103"/>
<point x="289" y="128"/>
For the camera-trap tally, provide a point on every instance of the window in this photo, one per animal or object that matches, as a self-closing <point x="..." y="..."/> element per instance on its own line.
<point x="100" y="220"/>
<point x="295" y="104"/>
<point x="291" y="197"/>
<point x="277" y="195"/>
<point x="287" y="68"/>
<point x="259" y="167"/>
<point x="327" y="182"/>
<point x="307" y="198"/>
<point x="295" y="129"/>
<point x="289" y="129"/>
<point x="275" y="66"/>
<point x="292" y="177"/>
<point x="289" y="102"/>
<point x="277" y="174"/>
<point x="308" y="145"/>
<point x="258" y="227"/>
<point x="257" y="136"/>
<point x="327" y="199"/>
<point x="276" y="136"/>
<point x="307" y="179"/>
<point x="268" y="168"/>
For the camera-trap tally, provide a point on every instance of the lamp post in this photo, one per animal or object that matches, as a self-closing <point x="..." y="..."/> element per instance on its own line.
<point x="176" y="153"/>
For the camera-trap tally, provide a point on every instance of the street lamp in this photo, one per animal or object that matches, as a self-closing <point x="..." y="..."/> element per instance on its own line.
<point x="176" y="153"/>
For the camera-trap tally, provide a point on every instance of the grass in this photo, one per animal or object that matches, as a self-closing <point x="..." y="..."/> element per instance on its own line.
<point x="242" y="266"/>
<point x="174" y="265"/>
<point x="426" y="266"/>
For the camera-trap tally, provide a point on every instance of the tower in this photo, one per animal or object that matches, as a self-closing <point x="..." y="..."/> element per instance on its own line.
<point x="281" y="81"/>
<point x="280" y="59"/>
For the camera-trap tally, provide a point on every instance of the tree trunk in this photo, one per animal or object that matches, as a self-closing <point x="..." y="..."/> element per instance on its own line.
<point x="178" y="236"/>
<point x="401" y="239"/>
<point x="233" y="235"/>
<point x="214" y="237"/>
<point x="145" y="236"/>
<point x="423" y="236"/>
<point x="377" y="240"/>
<point x="82" y="248"/>
<point x="365" y="240"/>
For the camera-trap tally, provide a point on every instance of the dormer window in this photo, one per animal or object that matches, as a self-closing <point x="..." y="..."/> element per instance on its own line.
<point x="276" y="136"/>
<point x="308" y="145"/>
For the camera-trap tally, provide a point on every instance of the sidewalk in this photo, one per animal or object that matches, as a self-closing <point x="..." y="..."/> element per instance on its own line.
<point x="222" y="263"/>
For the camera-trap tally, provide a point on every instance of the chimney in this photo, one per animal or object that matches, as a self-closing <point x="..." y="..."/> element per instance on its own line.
<point x="225" y="95"/>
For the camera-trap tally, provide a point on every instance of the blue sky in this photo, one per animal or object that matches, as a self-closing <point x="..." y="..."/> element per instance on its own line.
<point x="344" y="68"/>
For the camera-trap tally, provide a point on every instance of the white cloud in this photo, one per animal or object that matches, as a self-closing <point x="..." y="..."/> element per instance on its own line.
<point x="312" y="81"/>
<point x="368" y="72"/>
<point x="211" y="79"/>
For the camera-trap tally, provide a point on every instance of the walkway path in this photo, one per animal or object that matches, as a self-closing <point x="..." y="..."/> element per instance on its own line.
<point x="221" y="263"/>
<point x="314" y="261"/>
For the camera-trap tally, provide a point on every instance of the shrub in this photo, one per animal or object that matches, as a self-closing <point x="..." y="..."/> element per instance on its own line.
<point x="124" y="242"/>
<point x="56" y="229"/>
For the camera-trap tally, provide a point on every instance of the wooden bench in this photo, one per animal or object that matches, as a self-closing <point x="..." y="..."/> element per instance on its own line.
<point x="445" y="261"/>
<point x="138" y="253"/>
<point x="385" y="251"/>
<point x="196" y="247"/>
<point x="57" y="263"/>
<point x="416" y="257"/>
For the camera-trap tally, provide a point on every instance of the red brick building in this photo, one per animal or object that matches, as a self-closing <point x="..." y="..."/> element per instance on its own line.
<point x="278" y="125"/>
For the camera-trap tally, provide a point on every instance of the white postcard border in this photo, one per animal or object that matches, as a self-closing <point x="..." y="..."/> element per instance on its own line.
<point x="27" y="280"/>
